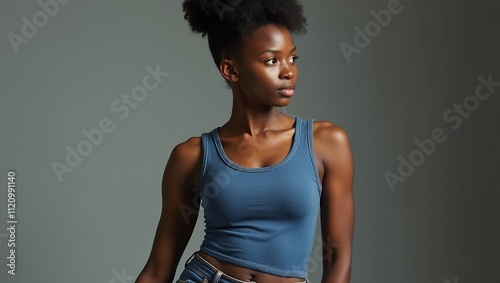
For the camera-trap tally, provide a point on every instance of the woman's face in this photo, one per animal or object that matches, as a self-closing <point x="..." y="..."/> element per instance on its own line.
<point x="266" y="63"/>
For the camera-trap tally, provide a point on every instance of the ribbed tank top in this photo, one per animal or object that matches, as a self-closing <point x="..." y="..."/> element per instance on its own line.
<point x="262" y="218"/>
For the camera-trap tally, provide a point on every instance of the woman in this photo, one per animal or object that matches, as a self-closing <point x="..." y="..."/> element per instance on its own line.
<point x="263" y="177"/>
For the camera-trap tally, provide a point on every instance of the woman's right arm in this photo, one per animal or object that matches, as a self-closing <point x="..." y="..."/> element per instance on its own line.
<point x="180" y="207"/>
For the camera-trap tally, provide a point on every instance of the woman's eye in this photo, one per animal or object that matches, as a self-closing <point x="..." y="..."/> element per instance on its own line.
<point x="272" y="60"/>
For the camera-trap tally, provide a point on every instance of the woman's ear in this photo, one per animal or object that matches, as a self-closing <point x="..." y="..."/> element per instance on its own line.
<point x="228" y="70"/>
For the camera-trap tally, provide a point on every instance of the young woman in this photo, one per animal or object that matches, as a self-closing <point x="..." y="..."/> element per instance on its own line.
<point x="263" y="177"/>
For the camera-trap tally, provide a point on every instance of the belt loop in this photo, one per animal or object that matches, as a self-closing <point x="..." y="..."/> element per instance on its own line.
<point x="217" y="276"/>
<point x="189" y="259"/>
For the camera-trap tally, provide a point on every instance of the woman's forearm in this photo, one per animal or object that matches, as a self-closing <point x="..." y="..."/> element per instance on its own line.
<point x="339" y="271"/>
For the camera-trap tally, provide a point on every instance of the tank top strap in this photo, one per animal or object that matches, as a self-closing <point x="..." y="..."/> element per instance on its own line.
<point x="309" y="140"/>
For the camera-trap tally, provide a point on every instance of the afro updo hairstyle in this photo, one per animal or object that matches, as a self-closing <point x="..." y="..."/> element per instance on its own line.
<point x="228" y="22"/>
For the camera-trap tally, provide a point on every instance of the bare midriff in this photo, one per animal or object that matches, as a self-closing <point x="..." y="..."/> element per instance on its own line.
<point x="246" y="274"/>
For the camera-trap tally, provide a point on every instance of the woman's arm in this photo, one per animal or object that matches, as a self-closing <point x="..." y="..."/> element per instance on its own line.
<point x="337" y="204"/>
<point x="180" y="207"/>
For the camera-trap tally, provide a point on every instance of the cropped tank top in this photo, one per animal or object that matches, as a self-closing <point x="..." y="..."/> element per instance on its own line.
<point x="261" y="218"/>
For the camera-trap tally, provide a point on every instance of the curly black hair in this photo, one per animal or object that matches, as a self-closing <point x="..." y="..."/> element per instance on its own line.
<point x="228" y="22"/>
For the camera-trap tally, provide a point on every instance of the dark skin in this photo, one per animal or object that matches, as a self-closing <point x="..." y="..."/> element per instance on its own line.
<point x="255" y="75"/>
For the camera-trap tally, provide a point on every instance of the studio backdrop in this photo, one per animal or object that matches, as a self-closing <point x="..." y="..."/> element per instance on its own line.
<point x="95" y="95"/>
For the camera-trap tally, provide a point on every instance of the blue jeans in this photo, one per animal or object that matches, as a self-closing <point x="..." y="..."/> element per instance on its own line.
<point x="198" y="270"/>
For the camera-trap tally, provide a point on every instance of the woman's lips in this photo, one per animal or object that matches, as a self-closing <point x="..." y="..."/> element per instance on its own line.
<point x="286" y="91"/>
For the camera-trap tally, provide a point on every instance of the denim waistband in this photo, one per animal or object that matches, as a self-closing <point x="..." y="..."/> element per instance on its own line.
<point x="207" y="270"/>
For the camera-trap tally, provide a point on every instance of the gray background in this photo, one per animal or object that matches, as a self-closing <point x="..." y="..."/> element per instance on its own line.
<point x="98" y="223"/>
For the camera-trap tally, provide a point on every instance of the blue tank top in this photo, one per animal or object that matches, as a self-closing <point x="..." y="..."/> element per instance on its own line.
<point x="262" y="218"/>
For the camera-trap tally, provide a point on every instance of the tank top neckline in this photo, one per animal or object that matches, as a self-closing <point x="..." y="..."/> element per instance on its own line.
<point x="229" y="162"/>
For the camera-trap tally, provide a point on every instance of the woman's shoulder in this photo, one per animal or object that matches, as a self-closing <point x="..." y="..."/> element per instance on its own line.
<point x="329" y="133"/>
<point x="188" y="150"/>
<point x="193" y="143"/>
